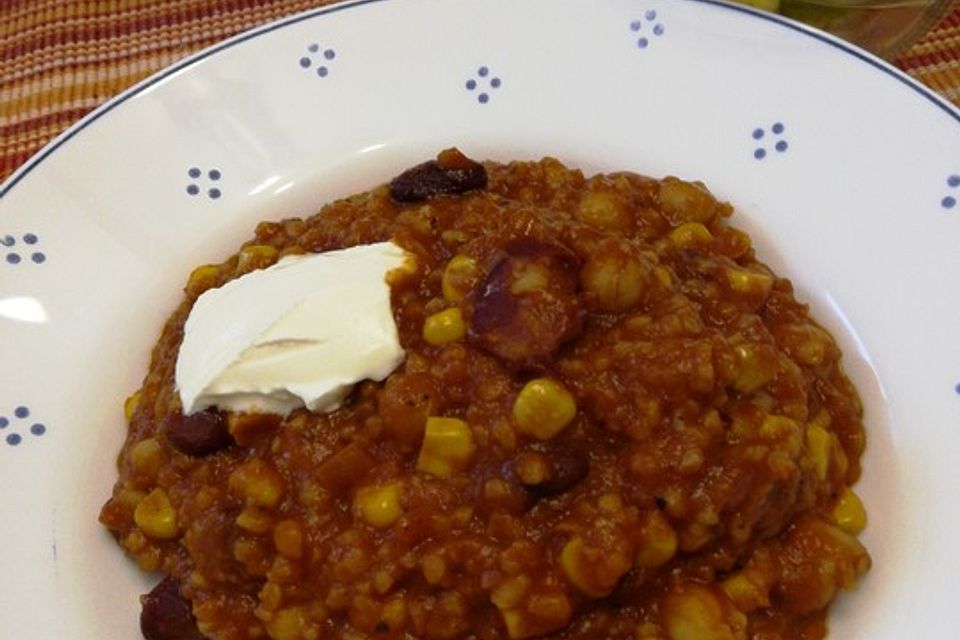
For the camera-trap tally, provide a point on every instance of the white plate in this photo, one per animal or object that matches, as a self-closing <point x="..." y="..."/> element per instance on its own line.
<point x="853" y="198"/>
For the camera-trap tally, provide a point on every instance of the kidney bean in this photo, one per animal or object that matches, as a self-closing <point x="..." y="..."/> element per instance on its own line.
<point x="451" y="173"/>
<point x="565" y="469"/>
<point x="198" y="434"/>
<point x="167" y="615"/>
<point x="569" y="467"/>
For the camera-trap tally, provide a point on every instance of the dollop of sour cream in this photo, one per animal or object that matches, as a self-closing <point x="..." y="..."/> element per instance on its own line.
<point x="300" y="333"/>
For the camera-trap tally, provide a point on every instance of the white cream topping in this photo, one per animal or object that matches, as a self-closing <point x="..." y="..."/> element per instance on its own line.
<point x="299" y="333"/>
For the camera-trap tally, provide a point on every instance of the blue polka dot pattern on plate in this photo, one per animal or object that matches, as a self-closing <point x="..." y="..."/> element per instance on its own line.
<point x="775" y="139"/>
<point x="211" y="178"/>
<point x="647" y="28"/>
<point x="317" y="57"/>
<point x="17" y="424"/>
<point x="21" y="248"/>
<point x="484" y="84"/>
<point x="950" y="201"/>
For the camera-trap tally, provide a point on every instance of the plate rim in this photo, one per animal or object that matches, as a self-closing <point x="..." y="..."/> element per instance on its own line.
<point x="157" y="86"/>
<point x="823" y="37"/>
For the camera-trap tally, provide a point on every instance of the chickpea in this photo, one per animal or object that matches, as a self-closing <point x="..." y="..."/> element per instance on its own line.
<point x="614" y="278"/>
<point x="604" y="209"/>
<point x="687" y="201"/>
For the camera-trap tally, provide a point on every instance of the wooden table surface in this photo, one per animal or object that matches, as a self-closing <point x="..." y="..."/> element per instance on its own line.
<point x="60" y="59"/>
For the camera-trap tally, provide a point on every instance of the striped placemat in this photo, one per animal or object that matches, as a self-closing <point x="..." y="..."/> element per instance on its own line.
<point x="59" y="59"/>
<point x="935" y="60"/>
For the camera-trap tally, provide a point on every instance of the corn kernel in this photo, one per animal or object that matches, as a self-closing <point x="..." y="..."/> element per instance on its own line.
<point x="394" y="613"/>
<point x="777" y="428"/>
<point x="444" y="326"/>
<point x="750" y="589"/>
<point x="810" y="345"/>
<point x="130" y="405"/>
<point x="576" y="568"/>
<point x="202" y="278"/>
<point x="288" y="539"/>
<point x="755" y="367"/>
<point x="459" y="276"/>
<point x="819" y="444"/>
<point x="749" y="282"/>
<point x="515" y="620"/>
<point x="155" y="516"/>
<point x="695" y="613"/>
<point x="258" y="483"/>
<point x="543" y="408"/>
<point x="135" y="541"/>
<point x="288" y="624"/>
<point x="383" y="581"/>
<point x="511" y="592"/>
<point x="256" y="256"/>
<point x="433" y="567"/>
<point x="254" y="520"/>
<point x="541" y="614"/>
<point x="379" y="506"/>
<point x="658" y="542"/>
<point x="462" y="516"/>
<point x="740" y="590"/>
<point x="690" y="234"/>
<point x="849" y="513"/>
<point x="130" y="498"/>
<point x="145" y="457"/>
<point x="648" y="631"/>
<point x="664" y="276"/>
<point x="822" y="419"/>
<point x="271" y="595"/>
<point x="610" y="503"/>
<point x="447" y="447"/>
<point x="150" y="560"/>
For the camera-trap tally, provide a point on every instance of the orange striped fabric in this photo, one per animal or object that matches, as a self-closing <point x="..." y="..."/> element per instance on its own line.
<point x="59" y="59"/>
<point x="935" y="60"/>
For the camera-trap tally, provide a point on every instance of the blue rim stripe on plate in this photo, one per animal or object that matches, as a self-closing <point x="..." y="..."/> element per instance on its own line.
<point x="108" y="106"/>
